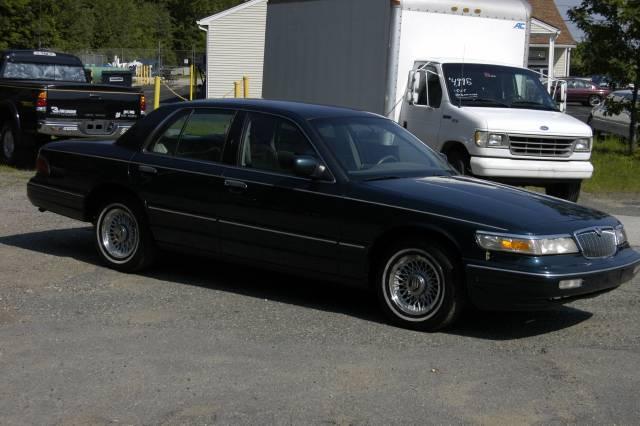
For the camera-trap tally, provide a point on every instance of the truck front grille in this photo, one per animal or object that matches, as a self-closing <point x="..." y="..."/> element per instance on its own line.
<point x="536" y="146"/>
<point x="597" y="243"/>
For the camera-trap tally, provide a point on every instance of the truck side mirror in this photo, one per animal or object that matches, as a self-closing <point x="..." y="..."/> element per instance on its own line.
<point x="414" y="87"/>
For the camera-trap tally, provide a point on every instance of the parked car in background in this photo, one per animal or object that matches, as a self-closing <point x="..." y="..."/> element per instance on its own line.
<point x="330" y="193"/>
<point x="585" y="91"/>
<point x="602" y="120"/>
<point x="45" y="94"/>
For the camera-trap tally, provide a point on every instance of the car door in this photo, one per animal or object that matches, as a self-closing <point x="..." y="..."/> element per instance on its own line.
<point x="179" y="177"/>
<point x="423" y="118"/>
<point x="271" y="215"/>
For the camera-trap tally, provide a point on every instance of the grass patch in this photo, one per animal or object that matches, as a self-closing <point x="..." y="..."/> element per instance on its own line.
<point x="11" y="176"/>
<point x="615" y="171"/>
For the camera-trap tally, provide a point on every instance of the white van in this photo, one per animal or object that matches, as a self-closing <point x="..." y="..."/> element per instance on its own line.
<point x="451" y="72"/>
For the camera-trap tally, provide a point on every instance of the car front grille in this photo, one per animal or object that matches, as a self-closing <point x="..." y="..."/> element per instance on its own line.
<point x="597" y="243"/>
<point x="535" y="146"/>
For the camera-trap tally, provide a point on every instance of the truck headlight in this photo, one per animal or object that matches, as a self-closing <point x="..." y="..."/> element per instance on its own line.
<point x="582" y="145"/>
<point x="621" y="235"/>
<point x="491" y="140"/>
<point x="538" y="246"/>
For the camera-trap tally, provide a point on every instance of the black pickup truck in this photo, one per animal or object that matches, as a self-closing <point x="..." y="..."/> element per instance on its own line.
<point x="45" y="94"/>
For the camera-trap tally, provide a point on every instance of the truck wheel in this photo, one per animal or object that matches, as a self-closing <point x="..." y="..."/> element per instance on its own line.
<point x="460" y="161"/>
<point x="418" y="286"/>
<point x="123" y="238"/>
<point x="568" y="191"/>
<point x="10" y="150"/>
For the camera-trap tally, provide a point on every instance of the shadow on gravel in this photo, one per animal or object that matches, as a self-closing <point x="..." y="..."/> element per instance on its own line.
<point x="77" y="243"/>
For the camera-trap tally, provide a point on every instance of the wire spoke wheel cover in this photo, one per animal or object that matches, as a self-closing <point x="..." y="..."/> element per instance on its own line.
<point x="118" y="233"/>
<point x="414" y="285"/>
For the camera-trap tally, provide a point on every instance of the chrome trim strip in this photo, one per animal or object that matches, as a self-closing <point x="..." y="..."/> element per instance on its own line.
<point x="525" y="236"/>
<point x="355" y="246"/>
<point x="290" y="234"/>
<point x="210" y="219"/>
<point x="403" y="208"/>
<point x="51" y="188"/>
<point x="549" y="275"/>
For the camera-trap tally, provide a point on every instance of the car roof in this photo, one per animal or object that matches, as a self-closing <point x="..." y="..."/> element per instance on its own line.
<point x="287" y="108"/>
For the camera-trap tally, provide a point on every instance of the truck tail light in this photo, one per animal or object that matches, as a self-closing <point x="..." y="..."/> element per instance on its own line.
<point x="42" y="166"/>
<point x="143" y="104"/>
<point x="41" y="103"/>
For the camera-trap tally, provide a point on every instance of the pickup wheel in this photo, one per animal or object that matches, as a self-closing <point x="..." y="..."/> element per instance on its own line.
<point x="419" y="286"/>
<point x="12" y="152"/>
<point x="123" y="238"/>
<point x="568" y="191"/>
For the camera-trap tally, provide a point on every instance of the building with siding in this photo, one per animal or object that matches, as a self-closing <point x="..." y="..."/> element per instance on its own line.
<point x="551" y="42"/>
<point x="235" y="48"/>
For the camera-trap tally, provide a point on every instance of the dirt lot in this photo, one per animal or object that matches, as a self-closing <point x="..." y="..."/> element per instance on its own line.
<point x="195" y="341"/>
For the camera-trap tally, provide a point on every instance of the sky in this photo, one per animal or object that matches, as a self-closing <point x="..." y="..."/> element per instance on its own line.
<point x="563" y="6"/>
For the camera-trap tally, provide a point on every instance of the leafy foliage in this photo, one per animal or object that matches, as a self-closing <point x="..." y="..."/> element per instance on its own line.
<point x="69" y="25"/>
<point x="612" y="47"/>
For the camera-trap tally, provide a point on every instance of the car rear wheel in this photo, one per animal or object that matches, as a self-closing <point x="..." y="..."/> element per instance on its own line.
<point x="418" y="286"/>
<point x="568" y="191"/>
<point x="594" y="100"/>
<point x="123" y="238"/>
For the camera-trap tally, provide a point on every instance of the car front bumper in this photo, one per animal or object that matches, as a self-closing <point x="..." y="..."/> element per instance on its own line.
<point x="84" y="128"/>
<point x="533" y="169"/>
<point x="501" y="287"/>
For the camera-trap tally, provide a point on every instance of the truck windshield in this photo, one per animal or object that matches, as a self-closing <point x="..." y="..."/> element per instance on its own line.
<point x="36" y="71"/>
<point x="377" y="148"/>
<point x="496" y="86"/>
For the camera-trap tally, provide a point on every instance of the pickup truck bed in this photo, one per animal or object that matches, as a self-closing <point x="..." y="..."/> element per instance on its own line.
<point x="34" y="110"/>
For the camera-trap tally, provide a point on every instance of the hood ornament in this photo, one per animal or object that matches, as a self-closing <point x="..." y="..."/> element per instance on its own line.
<point x="545" y="128"/>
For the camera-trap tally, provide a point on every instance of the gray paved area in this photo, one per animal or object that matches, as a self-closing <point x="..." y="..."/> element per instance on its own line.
<point x="199" y="342"/>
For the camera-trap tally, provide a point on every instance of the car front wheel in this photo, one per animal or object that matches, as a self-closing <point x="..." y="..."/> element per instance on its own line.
<point x="594" y="100"/>
<point x="122" y="237"/>
<point x="418" y="286"/>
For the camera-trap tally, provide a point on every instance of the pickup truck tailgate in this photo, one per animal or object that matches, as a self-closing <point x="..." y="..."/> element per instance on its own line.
<point x="92" y="102"/>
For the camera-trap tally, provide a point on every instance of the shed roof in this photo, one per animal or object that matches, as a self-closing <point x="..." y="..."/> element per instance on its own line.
<point x="209" y="19"/>
<point x="547" y="12"/>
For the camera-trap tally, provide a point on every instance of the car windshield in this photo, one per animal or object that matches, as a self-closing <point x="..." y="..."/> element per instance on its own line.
<point x="36" y="71"/>
<point x="495" y="86"/>
<point x="377" y="148"/>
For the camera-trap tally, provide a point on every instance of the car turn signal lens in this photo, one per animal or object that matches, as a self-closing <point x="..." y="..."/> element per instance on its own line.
<point x="42" y="166"/>
<point x="538" y="246"/>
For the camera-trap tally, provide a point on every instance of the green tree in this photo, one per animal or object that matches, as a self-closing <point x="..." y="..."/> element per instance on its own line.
<point x="612" y="47"/>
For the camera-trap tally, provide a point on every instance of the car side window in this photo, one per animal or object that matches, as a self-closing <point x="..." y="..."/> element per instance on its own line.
<point x="204" y="135"/>
<point x="167" y="143"/>
<point x="271" y="143"/>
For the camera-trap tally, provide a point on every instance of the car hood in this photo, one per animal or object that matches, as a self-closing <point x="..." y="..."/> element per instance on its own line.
<point x="501" y="207"/>
<point x="530" y="121"/>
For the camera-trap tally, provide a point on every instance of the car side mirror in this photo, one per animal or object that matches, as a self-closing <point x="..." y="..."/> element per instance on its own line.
<point x="308" y="167"/>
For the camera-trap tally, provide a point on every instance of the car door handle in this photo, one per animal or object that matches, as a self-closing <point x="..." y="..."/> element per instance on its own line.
<point x="235" y="185"/>
<point x="148" y="169"/>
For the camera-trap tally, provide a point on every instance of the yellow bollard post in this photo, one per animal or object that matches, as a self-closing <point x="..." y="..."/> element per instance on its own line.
<point x="245" y="86"/>
<point x="191" y="80"/>
<point x="156" y="94"/>
<point x="236" y="89"/>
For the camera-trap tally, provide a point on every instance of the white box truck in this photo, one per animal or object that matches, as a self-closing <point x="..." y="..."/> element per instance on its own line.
<point x="452" y="72"/>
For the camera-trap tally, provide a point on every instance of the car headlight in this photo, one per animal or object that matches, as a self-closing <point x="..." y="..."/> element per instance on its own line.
<point x="582" y="145"/>
<point x="621" y="235"/>
<point x="538" y="246"/>
<point x="491" y="140"/>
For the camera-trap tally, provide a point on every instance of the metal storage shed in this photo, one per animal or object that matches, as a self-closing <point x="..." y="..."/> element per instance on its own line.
<point x="235" y="48"/>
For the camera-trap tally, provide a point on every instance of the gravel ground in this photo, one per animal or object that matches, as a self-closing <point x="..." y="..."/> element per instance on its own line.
<point x="198" y="342"/>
